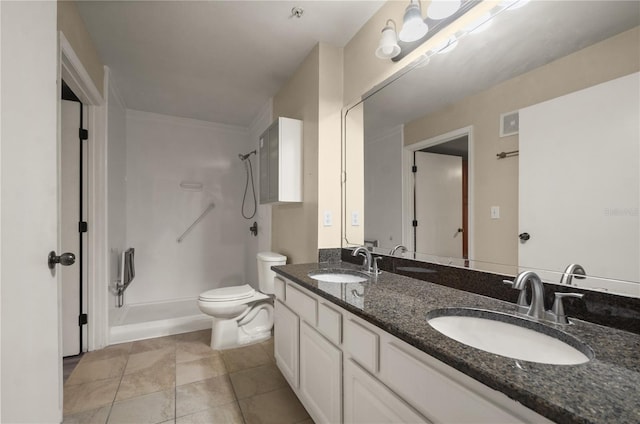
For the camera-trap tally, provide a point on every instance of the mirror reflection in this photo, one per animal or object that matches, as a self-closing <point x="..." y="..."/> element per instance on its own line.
<point x="525" y="145"/>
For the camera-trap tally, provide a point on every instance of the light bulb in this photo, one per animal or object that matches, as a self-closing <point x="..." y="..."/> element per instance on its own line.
<point x="440" y="9"/>
<point x="413" y="27"/>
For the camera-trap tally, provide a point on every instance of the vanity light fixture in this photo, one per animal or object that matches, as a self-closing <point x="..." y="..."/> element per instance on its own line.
<point x="440" y="9"/>
<point x="388" y="47"/>
<point x="413" y="26"/>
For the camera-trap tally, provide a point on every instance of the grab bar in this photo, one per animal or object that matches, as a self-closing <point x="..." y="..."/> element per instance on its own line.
<point x="206" y="211"/>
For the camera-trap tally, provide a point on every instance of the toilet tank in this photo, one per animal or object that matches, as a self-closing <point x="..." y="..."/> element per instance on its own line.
<point x="265" y="275"/>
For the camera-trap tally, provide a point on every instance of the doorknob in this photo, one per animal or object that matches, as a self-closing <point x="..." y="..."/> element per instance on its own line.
<point x="65" y="259"/>
<point x="524" y="237"/>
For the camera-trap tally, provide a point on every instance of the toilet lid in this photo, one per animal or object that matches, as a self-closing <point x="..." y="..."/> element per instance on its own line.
<point x="228" y="293"/>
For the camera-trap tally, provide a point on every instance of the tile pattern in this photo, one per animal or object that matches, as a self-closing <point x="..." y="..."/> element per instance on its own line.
<point x="180" y="379"/>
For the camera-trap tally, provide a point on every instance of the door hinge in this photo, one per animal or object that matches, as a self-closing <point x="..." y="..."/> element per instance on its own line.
<point x="83" y="227"/>
<point x="83" y="319"/>
<point x="83" y="134"/>
<point x="414" y="169"/>
<point x="415" y="223"/>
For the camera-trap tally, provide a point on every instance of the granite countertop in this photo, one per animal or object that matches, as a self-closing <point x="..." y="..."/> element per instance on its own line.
<point x="603" y="390"/>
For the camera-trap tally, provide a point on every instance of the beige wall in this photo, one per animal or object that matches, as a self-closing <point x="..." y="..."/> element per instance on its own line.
<point x="496" y="181"/>
<point x="329" y="144"/>
<point x="294" y="226"/>
<point x="72" y="25"/>
<point x="313" y="95"/>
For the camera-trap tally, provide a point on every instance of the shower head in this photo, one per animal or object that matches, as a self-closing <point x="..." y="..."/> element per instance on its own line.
<point x="245" y="157"/>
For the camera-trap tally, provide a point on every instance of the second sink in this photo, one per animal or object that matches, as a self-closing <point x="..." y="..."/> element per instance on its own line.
<point x="510" y="336"/>
<point x="338" y="276"/>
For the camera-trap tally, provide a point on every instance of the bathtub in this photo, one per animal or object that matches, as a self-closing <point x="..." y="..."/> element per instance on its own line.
<point x="148" y="320"/>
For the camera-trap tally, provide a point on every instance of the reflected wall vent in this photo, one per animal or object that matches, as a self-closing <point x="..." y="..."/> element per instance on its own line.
<point x="509" y="123"/>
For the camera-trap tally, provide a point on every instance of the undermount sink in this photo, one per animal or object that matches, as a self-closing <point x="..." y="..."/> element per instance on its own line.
<point x="339" y="276"/>
<point x="510" y="336"/>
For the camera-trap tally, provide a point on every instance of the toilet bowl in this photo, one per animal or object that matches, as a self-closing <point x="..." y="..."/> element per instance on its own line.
<point x="241" y="314"/>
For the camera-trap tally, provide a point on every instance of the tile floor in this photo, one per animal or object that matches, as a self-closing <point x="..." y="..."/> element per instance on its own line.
<point x="180" y="379"/>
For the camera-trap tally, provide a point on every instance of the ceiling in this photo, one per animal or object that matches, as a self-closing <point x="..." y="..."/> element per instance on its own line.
<point x="217" y="61"/>
<point x="517" y="41"/>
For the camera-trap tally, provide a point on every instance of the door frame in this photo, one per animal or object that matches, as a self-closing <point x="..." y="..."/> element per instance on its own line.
<point x="407" y="182"/>
<point x="79" y="80"/>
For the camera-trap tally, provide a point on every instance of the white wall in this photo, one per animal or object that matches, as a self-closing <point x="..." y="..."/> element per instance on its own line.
<point x="161" y="152"/>
<point x="116" y="174"/>
<point x="383" y="182"/>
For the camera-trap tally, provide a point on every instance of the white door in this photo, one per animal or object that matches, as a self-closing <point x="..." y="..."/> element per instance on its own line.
<point x="579" y="182"/>
<point x="31" y="366"/>
<point x="438" y="204"/>
<point x="69" y="219"/>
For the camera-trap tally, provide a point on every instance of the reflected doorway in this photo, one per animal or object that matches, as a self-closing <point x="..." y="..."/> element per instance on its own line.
<point x="438" y="218"/>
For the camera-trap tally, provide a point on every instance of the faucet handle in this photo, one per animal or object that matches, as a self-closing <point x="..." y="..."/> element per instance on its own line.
<point x="375" y="268"/>
<point x="558" y="307"/>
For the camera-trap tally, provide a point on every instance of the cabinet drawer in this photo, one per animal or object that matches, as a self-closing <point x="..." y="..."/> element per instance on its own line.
<point x="304" y="305"/>
<point x="362" y="344"/>
<point x="279" y="288"/>
<point x="436" y="395"/>
<point x="330" y="323"/>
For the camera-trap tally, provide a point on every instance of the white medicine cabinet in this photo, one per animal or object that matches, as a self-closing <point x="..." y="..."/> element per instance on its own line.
<point x="281" y="162"/>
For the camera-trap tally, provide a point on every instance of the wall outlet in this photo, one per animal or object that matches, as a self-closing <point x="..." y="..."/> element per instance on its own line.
<point x="495" y="212"/>
<point x="327" y="219"/>
<point x="355" y="219"/>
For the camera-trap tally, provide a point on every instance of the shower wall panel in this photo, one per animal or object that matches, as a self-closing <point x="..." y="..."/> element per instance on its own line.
<point x="162" y="152"/>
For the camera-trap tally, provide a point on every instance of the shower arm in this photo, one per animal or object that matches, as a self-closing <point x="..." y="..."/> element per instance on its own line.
<point x="245" y="157"/>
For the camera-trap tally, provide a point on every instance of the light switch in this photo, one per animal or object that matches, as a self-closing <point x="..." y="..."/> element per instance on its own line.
<point x="327" y="219"/>
<point x="495" y="212"/>
<point x="355" y="219"/>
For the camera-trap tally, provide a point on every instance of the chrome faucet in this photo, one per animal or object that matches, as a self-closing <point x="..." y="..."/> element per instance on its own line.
<point x="536" y="308"/>
<point x="573" y="270"/>
<point x="398" y="247"/>
<point x="370" y="264"/>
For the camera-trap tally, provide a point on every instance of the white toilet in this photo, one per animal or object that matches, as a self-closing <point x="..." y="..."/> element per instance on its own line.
<point x="242" y="315"/>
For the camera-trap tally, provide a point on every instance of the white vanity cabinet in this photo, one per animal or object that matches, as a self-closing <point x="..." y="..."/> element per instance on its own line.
<point x="310" y="362"/>
<point x="351" y="371"/>
<point x="281" y="162"/>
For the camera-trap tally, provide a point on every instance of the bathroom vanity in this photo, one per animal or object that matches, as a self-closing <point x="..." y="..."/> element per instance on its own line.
<point x="364" y="352"/>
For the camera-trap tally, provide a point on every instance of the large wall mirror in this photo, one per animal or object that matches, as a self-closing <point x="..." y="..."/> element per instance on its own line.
<point x="518" y="149"/>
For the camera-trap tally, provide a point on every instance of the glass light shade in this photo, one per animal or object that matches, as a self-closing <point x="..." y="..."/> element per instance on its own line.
<point x="440" y="9"/>
<point x="413" y="27"/>
<point x="388" y="47"/>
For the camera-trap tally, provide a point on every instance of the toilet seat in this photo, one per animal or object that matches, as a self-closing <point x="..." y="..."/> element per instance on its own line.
<point x="228" y="294"/>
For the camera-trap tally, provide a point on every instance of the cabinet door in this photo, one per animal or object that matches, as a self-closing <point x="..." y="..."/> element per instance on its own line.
<point x="287" y="338"/>
<point x="320" y="376"/>
<point x="367" y="401"/>
<point x="274" y="159"/>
